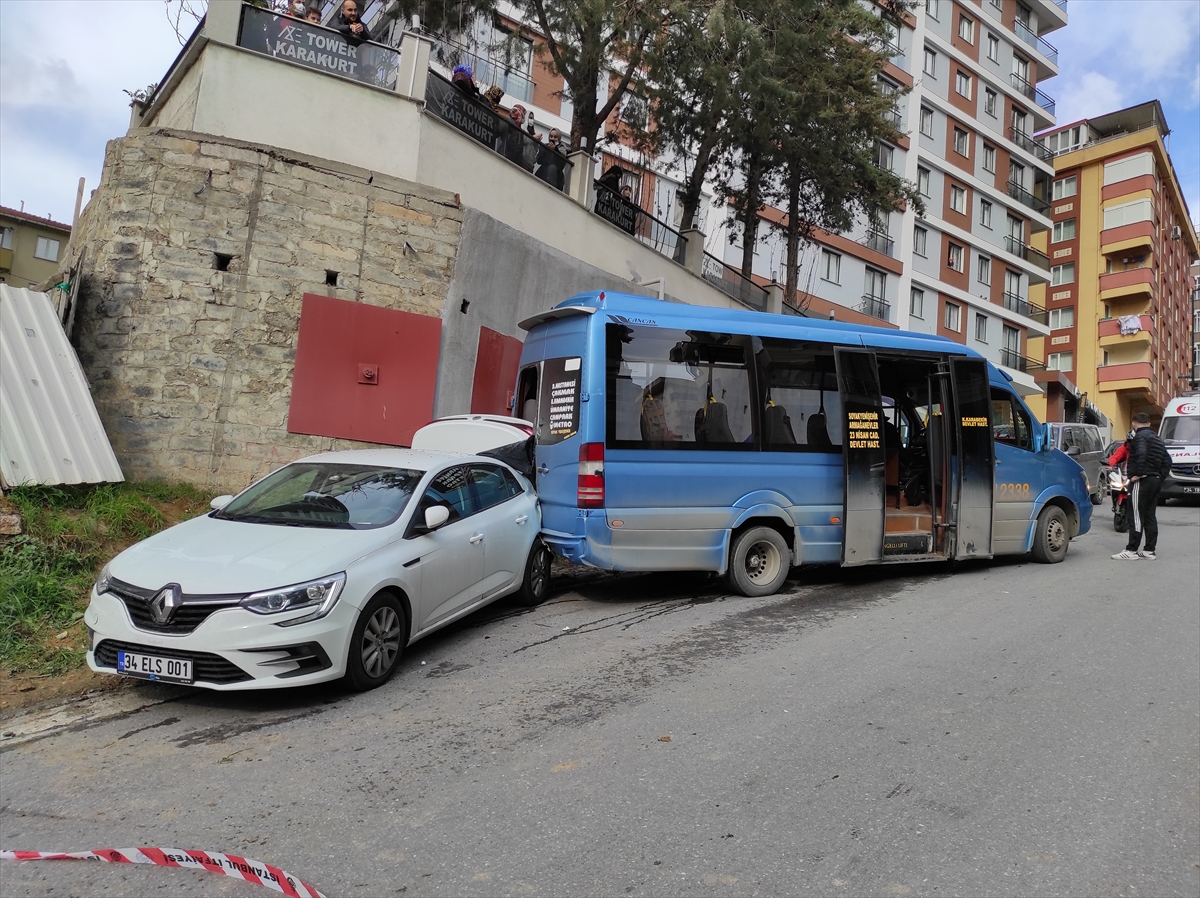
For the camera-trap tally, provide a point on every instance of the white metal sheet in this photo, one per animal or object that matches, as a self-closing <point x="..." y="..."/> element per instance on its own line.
<point x="50" y="432"/>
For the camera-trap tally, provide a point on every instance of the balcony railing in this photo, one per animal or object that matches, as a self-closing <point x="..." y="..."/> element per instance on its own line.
<point x="637" y="222"/>
<point x="879" y="242"/>
<point x="1022" y="306"/>
<point x="475" y="118"/>
<point x="316" y="47"/>
<point x="1021" y="195"/>
<point x="1027" y="252"/>
<point x="1025" y="33"/>
<point x="485" y="69"/>
<point x="733" y="283"/>
<point x="875" y="307"/>
<point x="893" y="116"/>
<point x="1034" y="93"/>
<point x="1010" y="358"/>
<point x="1061" y="4"/>
<point x="1029" y="145"/>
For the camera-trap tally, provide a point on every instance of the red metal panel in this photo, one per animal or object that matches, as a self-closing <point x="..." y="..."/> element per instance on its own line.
<point x="495" y="372"/>
<point x="338" y="342"/>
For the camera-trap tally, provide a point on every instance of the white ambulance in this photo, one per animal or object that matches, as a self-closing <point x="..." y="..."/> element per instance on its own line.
<point x="1180" y="430"/>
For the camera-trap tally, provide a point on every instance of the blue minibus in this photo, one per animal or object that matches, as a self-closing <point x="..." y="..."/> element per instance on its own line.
<point x="680" y="437"/>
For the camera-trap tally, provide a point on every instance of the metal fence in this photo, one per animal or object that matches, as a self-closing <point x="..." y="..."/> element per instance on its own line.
<point x="486" y="70"/>
<point x="637" y="222"/>
<point x="876" y="307"/>
<point x="1027" y="252"/>
<point x="1022" y="306"/>
<point x="734" y="283"/>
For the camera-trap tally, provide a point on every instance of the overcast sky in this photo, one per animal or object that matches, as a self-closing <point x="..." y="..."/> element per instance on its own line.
<point x="65" y="63"/>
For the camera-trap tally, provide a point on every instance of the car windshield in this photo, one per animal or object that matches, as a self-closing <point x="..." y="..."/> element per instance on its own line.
<point x="317" y="494"/>
<point x="1181" y="430"/>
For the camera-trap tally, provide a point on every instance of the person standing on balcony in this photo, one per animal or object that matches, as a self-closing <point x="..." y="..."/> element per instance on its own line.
<point x="348" y="23"/>
<point x="519" y="148"/>
<point x="551" y="159"/>
<point x="494" y="95"/>
<point x="464" y="79"/>
<point x="313" y="15"/>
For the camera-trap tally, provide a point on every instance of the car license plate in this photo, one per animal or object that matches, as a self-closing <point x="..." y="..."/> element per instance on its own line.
<point x="152" y="667"/>
<point x="1191" y="489"/>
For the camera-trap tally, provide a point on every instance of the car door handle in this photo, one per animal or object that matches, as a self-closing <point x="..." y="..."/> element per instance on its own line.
<point x="476" y="538"/>
<point x="522" y="519"/>
<point x="543" y="469"/>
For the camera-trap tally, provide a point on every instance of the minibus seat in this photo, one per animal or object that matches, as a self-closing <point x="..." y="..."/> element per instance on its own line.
<point x="529" y="410"/>
<point x="778" y="426"/>
<point x="818" y="433"/>
<point x="712" y="423"/>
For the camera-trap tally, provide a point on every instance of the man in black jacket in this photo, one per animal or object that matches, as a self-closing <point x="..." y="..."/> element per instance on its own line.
<point x="1148" y="462"/>
<point x="349" y="24"/>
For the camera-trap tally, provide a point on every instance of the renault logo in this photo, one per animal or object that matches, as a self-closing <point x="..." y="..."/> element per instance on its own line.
<point x="163" y="605"/>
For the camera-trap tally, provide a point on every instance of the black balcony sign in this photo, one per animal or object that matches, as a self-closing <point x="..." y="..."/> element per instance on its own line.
<point x="318" y="48"/>
<point x="614" y="208"/>
<point x="473" y="117"/>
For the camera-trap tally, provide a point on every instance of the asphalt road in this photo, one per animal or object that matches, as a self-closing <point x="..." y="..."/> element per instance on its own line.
<point x="1006" y="728"/>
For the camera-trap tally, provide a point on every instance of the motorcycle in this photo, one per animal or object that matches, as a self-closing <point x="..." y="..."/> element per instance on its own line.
<point x="1118" y="482"/>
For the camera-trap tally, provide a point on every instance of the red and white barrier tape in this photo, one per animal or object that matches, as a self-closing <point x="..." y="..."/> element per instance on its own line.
<point x="227" y="864"/>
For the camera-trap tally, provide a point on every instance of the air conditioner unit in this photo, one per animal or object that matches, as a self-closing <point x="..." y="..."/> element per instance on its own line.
<point x="1177" y="233"/>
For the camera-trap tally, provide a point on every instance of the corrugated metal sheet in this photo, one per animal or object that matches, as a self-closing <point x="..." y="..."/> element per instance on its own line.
<point x="49" y="430"/>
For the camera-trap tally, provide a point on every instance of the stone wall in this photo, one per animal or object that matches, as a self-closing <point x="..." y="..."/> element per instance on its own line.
<point x="190" y="365"/>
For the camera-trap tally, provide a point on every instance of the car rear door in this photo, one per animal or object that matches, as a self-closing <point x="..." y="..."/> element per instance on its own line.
<point x="452" y="557"/>
<point x="508" y="519"/>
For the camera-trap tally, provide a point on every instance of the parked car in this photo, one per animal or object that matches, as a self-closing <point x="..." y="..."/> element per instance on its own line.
<point x="325" y="569"/>
<point x="1085" y="444"/>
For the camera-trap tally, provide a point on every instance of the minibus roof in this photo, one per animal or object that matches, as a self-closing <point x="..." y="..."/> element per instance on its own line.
<point x="744" y="320"/>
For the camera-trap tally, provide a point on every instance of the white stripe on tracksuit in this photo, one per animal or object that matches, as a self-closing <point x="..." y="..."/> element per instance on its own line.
<point x="1134" y="496"/>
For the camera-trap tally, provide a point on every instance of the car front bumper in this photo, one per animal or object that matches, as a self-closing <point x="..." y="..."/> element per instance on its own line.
<point x="231" y="649"/>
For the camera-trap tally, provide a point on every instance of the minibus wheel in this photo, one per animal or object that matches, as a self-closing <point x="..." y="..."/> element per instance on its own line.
<point x="758" y="562"/>
<point x="1052" y="537"/>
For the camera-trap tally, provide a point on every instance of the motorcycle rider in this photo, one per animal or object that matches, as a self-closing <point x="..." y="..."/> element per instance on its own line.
<point x="1148" y="460"/>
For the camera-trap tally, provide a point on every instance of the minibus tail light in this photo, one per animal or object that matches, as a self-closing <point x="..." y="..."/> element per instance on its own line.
<point x="591" y="475"/>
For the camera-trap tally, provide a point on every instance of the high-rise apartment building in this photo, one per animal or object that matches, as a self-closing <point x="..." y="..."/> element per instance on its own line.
<point x="966" y="268"/>
<point x="1120" y="293"/>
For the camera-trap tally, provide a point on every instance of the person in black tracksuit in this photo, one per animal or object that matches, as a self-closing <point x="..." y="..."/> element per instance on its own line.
<point x="1148" y="459"/>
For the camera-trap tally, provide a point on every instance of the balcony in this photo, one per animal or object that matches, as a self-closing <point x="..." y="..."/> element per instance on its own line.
<point x="1022" y="306"/>
<point x="1033" y="93"/>
<point x="879" y="242"/>
<point x="1029" y="145"/>
<point x="1047" y="49"/>
<point x="876" y="307"/>
<point x="1011" y="358"/>
<point x="1131" y="377"/>
<point x="733" y="283"/>
<point x="637" y="222"/>
<point x="1024" y="251"/>
<point x="447" y="53"/>
<point x="892" y="117"/>
<point x="1115" y="332"/>
<point x="1023" y="196"/>
<point x="1134" y="282"/>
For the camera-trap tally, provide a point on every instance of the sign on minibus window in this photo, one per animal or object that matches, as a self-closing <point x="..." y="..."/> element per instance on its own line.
<point x="558" y="414"/>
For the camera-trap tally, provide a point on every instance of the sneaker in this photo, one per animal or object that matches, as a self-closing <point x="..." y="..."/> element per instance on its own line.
<point x="1149" y="556"/>
<point x="1126" y="555"/>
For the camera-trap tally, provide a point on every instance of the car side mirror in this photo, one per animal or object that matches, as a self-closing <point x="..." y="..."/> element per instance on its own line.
<point x="220" y="502"/>
<point x="436" y="516"/>
<point x="1072" y="451"/>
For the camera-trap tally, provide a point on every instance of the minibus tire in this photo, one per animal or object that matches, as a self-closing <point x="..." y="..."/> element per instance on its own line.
<point x="389" y="635"/>
<point x="1052" y="537"/>
<point x="759" y="562"/>
<point x="535" y="581"/>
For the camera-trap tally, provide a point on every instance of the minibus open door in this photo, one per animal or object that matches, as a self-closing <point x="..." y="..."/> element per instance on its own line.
<point x="864" y="457"/>
<point x="976" y="458"/>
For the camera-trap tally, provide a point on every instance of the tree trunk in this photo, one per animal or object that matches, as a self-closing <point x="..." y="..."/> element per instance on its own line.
<point x="791" y="282"/>
<point x="750" y="213"/>
<point x="693" y="186"/>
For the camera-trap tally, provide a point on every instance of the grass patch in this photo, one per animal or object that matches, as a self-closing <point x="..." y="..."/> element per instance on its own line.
<point x="46" y="573"/>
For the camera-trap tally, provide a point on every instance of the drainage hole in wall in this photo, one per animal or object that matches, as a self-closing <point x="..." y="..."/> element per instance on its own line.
<point x="221" y="261"/>
<point x="330" y="278"/>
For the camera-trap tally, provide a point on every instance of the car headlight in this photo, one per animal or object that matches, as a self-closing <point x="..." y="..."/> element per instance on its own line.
<point x="104" y="581"/>
<point x="319" y="595"/>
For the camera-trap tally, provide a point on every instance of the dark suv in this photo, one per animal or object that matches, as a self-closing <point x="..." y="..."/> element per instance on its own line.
<point x="1085" y="444"/>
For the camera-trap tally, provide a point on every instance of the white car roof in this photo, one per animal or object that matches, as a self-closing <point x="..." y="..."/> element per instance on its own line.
<point x="387" y="457"/>
<point x="471" y="433"/>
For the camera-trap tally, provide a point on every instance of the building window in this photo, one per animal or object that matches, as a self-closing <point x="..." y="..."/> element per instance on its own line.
<point x="1062" y="274"/>
<point x="962" y="83"/>
<point x="831" y="266"/>
<point x="981" y="327"/>
<point x="932" y="7"/>
<point x="1062" y="318"/>
<point x="954" y="257"/>
<point x="916" y="303"/>
<point x="953" y="319"/>
<point x="993" y="48"/>
<point x="47" y="249"/>
<point x="6" y="236"/>
<point x="884" y="155"/>
<point x="985" y="213"/>
<point x="875" y="286"/>
<point x="962" y="142"/>
<point x="1060" y="361"/>
<point x="920" y="237"/>
<point x="923" y="181"/>
<point x="927" y="121"/>
<point x="958" y="199"/>
<point x="1064" y="187"/>
<point x="1064" y="230"/>
<point x="983" y="270"/>
<point x="989" y="101"/>
<point x="989" y="159"/>
<point x="966" y="29"/>
<point x="930" y="68"/>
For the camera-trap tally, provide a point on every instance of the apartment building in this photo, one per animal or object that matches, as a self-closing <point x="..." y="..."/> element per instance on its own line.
<point x="1120" y="298"/>
<point x="30" y="247"/>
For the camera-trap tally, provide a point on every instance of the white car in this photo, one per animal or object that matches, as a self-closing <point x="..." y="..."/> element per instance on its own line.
<point x="325" y="569"/>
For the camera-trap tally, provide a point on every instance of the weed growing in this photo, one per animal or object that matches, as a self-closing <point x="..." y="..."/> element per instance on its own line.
<point x="47" y="573"/>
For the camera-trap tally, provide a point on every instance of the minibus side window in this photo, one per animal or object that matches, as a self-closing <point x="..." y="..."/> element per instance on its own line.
<point x="1010" y="423"/>
<point x="802" y="405"/>
<point x="674" y="389"/>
